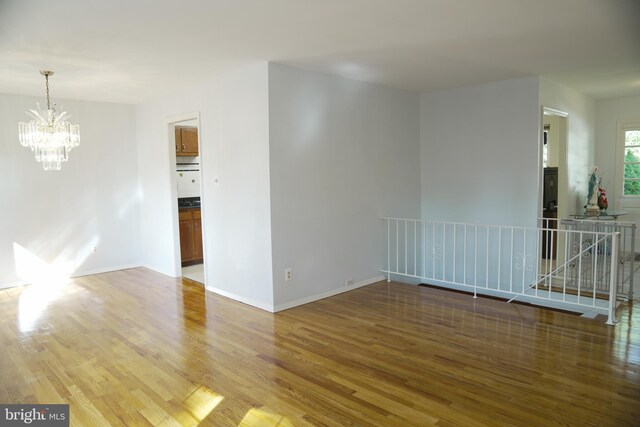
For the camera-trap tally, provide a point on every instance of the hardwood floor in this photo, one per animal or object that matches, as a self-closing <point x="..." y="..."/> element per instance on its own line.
<point x="137" y="348"/>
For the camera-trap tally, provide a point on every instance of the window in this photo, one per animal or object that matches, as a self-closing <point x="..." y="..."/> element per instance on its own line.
<point x="628" y="159"/>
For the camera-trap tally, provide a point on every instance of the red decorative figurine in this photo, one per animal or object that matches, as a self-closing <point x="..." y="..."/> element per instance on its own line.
<point x="602" y="199"/>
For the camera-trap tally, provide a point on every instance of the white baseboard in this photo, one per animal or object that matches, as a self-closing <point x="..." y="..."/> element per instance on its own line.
<point x="8" y="285"/>
<point x="104" y="270"/>
<point x="254" y="303"/>
<point x="75" y="274"/>
<point x="327" y="294"/>
<point x="161" y="271"/>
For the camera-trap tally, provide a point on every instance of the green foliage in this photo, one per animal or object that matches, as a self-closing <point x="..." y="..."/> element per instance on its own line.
<point x="632" y="137"/>
<point x="631" y="170"/>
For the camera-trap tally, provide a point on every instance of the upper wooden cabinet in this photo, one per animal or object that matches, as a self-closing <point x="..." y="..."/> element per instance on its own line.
<point x="186" y="141"/>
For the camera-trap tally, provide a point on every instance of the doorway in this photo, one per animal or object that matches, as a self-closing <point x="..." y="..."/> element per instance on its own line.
<point x="554" y="191"/>
<point x="187" y="211"/>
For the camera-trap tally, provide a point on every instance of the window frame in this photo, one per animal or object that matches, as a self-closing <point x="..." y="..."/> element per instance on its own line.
<point x="623" y="126"/>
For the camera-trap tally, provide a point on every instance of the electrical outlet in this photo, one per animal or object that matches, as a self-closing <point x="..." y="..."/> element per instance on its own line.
<point x="349" y="282"/>
<point x="288" y="274"/>
<point x="95" y="249"/>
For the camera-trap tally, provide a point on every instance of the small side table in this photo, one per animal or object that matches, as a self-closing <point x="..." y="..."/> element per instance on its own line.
<point x="602" y="216"/>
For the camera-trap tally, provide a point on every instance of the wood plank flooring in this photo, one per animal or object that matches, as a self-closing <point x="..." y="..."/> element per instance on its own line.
<point x="134" y="347"/>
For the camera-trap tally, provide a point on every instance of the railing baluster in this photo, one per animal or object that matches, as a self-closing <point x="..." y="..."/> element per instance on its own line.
<point x="486" y="282"/>
<point x="549" y="280"/>
<point x="397" y="248"/>
<point x="595" y="269"/>
<point x="539" y="258"/>
<point x="454" y="252"/>
<point x="524" y="257"/>
<point x="548" y="248"/>
<point x="608" y="251"/>
<point x="424" y="248"/>
<point x="499" y="257"/>
<point x="415" y="248"/>
<point x="614" y="274"/>
<point x="566" y="257"/>
<point x="554" y="245"/>
<point x="406" y="254"/>
<point x="580" y="255"/>
<point x="388" y="251"/>
<point x="621" y="271"/>
<point x="511" y="263"/>
<point x="464" y="256"/>
<point x="475" y="262"/>
<point x="433" y="251"/>
<point x="444" y="249"/>
<point x="631" y="262"/>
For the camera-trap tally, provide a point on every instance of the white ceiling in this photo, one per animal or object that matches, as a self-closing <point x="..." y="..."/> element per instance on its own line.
<point x="134" y="50"/>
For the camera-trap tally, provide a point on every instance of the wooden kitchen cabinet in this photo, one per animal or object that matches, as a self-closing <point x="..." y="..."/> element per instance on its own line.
<point x="190" y="236"/>
<point x="186" y="141"/>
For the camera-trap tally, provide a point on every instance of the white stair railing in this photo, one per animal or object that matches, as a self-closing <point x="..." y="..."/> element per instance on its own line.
<point x="508" y="261"/>
<point x="626" y="249"/>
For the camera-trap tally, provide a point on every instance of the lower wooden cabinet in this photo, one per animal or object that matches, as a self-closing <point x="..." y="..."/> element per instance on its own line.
<point x="190" y="236"/>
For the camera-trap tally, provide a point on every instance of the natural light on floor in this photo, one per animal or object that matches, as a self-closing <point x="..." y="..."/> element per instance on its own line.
<point x="46" y="280"/>
<point x="263" y="418"/>
<point x="202" y="402"/>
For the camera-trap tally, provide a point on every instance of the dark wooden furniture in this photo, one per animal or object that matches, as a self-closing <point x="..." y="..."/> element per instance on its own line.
<point x="190" y="236"/>
<point x="550" y="236"/>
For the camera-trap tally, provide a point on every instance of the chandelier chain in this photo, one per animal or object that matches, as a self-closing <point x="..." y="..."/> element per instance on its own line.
<point x="46" y="78"/>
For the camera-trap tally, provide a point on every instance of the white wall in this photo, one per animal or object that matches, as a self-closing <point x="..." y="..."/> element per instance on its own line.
<point x="580" y="152"/>
<point x="343" y="154"/>
<point x="608" y="112"/>
<point x="234" y="142"/>
<point x="59" y="216"/>
<point x="480" y="153"/>
<point x="553" y="139"/>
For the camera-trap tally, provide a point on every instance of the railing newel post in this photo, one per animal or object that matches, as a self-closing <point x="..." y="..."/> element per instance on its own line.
<point x="613" y="286"/>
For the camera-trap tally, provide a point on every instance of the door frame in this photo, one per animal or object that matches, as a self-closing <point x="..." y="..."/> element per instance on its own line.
<point x="563" y="177"/>
<point x="171" y="122"/>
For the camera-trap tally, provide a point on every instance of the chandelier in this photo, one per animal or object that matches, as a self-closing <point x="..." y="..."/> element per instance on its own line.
<point x="49" y="134"/>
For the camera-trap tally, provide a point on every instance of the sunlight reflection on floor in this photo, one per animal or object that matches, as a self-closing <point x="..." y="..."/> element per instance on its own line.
<point x="202" y="402"/>
<point x="263" y="418"/>
<point x="46" y="282"/>
<point x="46" y="279"/>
